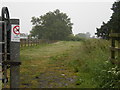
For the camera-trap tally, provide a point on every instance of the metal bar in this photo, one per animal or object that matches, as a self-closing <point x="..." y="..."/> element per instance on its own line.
<point x="12" y="63"/>
<point x="1" y="21"/>
<point x="5" y="54"/>
<point x="2" y="42"/>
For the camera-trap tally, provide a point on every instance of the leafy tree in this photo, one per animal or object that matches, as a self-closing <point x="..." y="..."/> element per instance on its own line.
<point x="53" y="25"/>
<point x="83" y="35"/>
<point x="115" y="18"/>
<point x="103" y="31"/>
<point x="113" y="24"/>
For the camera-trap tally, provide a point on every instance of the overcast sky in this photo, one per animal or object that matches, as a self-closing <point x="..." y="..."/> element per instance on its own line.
<point x="86" y="15"/>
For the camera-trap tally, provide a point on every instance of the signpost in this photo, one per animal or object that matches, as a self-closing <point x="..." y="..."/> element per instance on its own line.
<point x="15" y="54"/>
<point x="15" y="33"/>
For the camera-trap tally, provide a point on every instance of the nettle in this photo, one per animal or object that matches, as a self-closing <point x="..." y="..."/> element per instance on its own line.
<point x="110" y="77"/>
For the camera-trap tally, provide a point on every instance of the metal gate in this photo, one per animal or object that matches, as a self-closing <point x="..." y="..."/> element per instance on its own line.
<point x="9" y="49"/>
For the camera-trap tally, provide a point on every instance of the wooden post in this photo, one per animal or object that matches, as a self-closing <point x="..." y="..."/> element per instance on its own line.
<point x="31" y="42"/>
<point x="36" y="41"/>
<point x="25" y="42"/>
<point x="21" y="42"/>
<point x="113" y="46"/>
<point x="28" y="41"/>
<point x="15" y="60"/>
<point x="114" y="49"/>
<point x="119" y="51"/>
<point x="39" y="41"/>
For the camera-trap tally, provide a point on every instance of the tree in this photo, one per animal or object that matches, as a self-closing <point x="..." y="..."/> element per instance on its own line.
<point x="83" y="35"/>
<point x="113" y="24"/>
<point x="103" y="31"/>
<point x="115" y="18"/>
<point x="53" y="26"/>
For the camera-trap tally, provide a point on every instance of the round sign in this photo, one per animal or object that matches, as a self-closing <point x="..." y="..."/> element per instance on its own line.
<point x="16" y="30"/>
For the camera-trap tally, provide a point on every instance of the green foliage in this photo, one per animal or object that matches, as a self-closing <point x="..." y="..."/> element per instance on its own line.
<point x="109" y="77"/>
<point x="83" y="35"/>
<point x="74" y="38"/>
<point x="53" y="25"/>
<point x="105" y="73"/>
<point x="48" y="61"/>
<point x="87" y="59"/>
<point x="103" y="31"/>
<point x="115" y="18"/>
<point x="93" y="66"/>
<point x="113" y="24"/>
<point x="78" y="37"/>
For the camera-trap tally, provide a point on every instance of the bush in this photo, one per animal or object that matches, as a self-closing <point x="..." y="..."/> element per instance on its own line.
<point x="74" y="38"/>
<point x="106" y="74"/>
<point x="109" y="76"/>
<point x="94" y="54"/>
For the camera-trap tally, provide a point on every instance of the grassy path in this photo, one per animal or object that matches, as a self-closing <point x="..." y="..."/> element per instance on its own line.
<point x="45" y="66"/>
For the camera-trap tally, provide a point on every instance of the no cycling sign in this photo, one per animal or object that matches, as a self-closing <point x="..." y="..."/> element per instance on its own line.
<point x="15" y="33"/>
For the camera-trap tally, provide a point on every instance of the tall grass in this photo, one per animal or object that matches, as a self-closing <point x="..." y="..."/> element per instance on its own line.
<point x="92" y="64"/>
<point x="88" y="59"/>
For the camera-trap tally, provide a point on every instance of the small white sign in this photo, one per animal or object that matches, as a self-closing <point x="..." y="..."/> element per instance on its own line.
<point x="15" y="33"/>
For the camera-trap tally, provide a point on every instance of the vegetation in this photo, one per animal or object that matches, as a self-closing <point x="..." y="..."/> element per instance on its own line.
<point x="45" y="65"/>
<point x="65" y="61"/>
<point x="53" y="26"/>
<point x="113" y="24"/>
<point x="67" y="64"/>
<point x="93" y="66"/>
<point x="83" y="35"/>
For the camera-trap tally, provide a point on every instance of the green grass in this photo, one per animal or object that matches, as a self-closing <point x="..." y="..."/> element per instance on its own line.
<point x="84" y="60"/>
<point x="43" y="58"/>
<point x="92" y="55"/>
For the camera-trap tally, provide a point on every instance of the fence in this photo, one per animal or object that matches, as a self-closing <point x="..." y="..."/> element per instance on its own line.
<point x="34" y="42"/>
<point x="115" y="48"/>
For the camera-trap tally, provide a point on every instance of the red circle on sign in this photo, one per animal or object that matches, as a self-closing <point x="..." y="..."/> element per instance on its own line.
<point x="16" y="30"/>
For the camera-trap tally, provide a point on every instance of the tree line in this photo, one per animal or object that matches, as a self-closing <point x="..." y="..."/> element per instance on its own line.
<point x="55" y="25"/>
<point x="112" y="25"/>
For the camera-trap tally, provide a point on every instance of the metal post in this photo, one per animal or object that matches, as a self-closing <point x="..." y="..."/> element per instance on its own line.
<point x="0" y="55"/>
<point x="1" y="42"/>
<point x="5" y="54"/>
